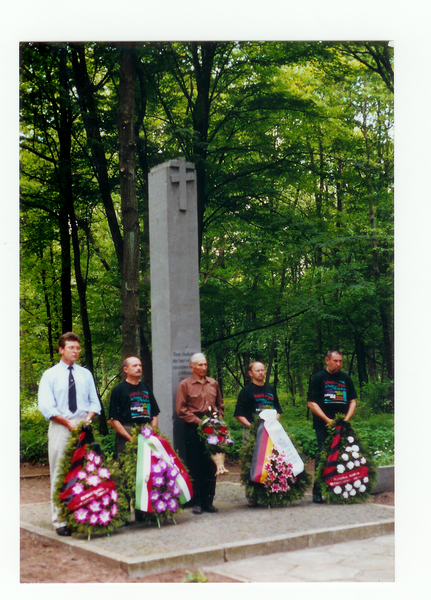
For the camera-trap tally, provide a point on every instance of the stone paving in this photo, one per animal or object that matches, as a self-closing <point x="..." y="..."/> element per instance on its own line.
<point x="371" y="560"/>
<point x="236" y="532"/>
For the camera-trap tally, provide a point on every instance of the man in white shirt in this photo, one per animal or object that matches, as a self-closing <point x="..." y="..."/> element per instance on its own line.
<point x="67" y="395"/>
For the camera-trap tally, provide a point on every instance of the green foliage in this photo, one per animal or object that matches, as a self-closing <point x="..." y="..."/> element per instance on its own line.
<point x="293" y="146"/>
<point x="34" y="440"/>
<point x="377" y="395"/>
<point x="198" y="577"/>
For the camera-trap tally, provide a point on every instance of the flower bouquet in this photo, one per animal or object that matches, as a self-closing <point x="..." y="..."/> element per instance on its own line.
<point x="155" y="479"/>
<point x="346" y="472"/>
<point x="216" y="437"/>
<point x="86" y="491"/>
<point x="273" y="475"/>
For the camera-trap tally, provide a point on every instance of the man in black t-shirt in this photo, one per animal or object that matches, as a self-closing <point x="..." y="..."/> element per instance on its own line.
<point x="331" y="391"/>
<point x="253" y="398"/>
<point x="132" y="403"/>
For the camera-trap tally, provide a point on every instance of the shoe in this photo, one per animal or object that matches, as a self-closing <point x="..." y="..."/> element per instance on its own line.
<point x="317" y="498"/>
<point x="64" y="531"/>
<point x="211" y="509"/>
<point x="197" y="510"/>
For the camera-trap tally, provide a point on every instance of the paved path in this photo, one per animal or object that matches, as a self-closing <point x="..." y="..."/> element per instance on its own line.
<point x="370" y="560"/>
<point x="236" y="532"/>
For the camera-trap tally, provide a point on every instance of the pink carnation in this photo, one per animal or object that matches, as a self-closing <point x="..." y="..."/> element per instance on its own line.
<point x="95" y="506"/>
<point x="94" y="519"/>
<point x="93" y="480"/>
<point x="104" y="517"/>
<point x="81" y="515"/>
<point x="78" y="488"/>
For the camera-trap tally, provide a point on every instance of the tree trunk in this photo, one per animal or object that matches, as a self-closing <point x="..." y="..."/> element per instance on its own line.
<point x="48" y="310"/>
<point x="91" y="123"/>
<point x="65" y="179"/>
<point x="129" y="207"/>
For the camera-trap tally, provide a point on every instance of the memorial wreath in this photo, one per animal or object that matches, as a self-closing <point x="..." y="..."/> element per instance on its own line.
<point x="217" y="439"/>
<point x="346" y="472"/>
<point x="155" y="479"/>
<point x="271" y="468"/>
<point x="88" y="488"/>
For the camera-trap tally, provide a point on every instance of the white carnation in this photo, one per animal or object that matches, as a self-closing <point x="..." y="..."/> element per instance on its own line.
<point x="363" y="460"/>
<point x="348" y="487"/>
<point x="350" y="439"/>
<point x="355" y="448"/>
<point x="362" y="488"/>
<point x="337" y="490"/>
<point x="352" y="492"/>
<point x="357" y="483"/>
<point x="355" y="455"/>
<point x="341" y="468"/>
<point x="345" y="494"/>
<point x="350" y="465"/>
<point x="357" y="463"/>
<point x="365" y="480"/>
<point x="345" y="456"/>
<point x="348" y="449"/>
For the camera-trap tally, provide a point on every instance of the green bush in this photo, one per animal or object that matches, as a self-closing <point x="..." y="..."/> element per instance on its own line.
<point x="377" y="396"/>
<point x="34" y="440"/>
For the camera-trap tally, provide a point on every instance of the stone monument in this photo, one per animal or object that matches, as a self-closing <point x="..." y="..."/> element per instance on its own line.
<point x="175" y="311"/>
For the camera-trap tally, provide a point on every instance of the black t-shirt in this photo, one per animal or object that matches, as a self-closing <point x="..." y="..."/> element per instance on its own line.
<point x="132" y="404"/>
<point x="254" y="398"/>
<point x="332" y="392"/>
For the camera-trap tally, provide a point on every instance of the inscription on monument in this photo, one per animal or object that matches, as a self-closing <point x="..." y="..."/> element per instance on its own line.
<point x="180" y="366"/>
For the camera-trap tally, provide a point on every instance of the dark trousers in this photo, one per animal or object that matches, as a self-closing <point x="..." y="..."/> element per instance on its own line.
<point x="201" y="467"/>
<point x="321" y="435"/>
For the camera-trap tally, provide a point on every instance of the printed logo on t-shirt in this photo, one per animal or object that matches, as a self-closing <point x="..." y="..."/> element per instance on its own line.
<point x="140" y="405"/>
<point x="263" y="401"/>
<point x="335" y="391"/>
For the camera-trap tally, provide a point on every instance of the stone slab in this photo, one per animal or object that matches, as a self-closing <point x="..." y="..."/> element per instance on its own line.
<point x="385" y="479"/>
<point x="236" y="532"/>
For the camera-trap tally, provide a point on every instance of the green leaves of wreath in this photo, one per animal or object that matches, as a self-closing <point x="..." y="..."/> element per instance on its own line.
<point x="68" y="515"/>
<point x="362" y="455"/>
<point x="257" y="491"/>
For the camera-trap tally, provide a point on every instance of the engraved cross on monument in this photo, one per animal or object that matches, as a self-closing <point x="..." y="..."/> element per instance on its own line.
<point x="175" y="311"/>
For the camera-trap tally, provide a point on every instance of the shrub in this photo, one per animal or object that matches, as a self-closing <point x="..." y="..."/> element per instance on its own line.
<point x="377" y="395"/>
<point x="34" y="440"/>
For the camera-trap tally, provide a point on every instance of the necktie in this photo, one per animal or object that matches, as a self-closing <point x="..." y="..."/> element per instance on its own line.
<point x="72" y="391"/>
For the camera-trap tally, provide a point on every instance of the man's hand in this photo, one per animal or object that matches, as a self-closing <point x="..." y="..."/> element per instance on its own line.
<point x="120" y="429"/>
<point x="68" y="423"/>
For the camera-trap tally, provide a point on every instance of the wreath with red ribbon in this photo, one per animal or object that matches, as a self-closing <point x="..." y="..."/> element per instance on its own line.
<point x="346" y="472"/>
<point x="88" y="488"/>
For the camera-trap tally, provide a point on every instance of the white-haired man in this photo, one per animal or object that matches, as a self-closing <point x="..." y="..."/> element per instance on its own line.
<point x="197" y="395"/>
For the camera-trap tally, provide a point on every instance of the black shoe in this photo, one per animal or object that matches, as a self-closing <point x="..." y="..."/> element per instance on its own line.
<point x="64" y="531"/>
<point x="197" y="510"/>
<point x="210" y="509"/>
<point x="317" y="498"/>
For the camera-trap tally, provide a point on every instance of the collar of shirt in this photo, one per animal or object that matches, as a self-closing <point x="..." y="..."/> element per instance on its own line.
<point x="195" y="380"/>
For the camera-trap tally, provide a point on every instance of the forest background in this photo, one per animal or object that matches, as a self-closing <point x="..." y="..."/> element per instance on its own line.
<point x="293" y="148"/>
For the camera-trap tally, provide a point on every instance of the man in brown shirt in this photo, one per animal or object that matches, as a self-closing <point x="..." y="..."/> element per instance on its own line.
<point x="196" y="396"/>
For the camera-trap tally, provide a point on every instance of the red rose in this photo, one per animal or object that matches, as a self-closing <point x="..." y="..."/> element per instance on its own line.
<point x="208" y="430"/>
<point x="220" y="438"/>
<point x="223" y="430"/>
